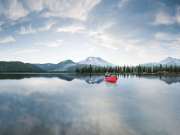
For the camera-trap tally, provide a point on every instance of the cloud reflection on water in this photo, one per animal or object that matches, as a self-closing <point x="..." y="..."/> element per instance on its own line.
<point x="51" y="106"/>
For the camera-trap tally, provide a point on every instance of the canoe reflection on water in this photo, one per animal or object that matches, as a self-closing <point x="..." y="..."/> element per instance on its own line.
<point x="111" y="79"/>
<point x="69" y="104"/>
<point x="90" y="79"/>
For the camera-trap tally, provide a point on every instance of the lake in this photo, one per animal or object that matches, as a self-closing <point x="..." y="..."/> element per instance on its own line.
<point x="65" y="104"/>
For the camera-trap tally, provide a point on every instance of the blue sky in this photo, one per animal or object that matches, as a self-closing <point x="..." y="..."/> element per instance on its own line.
<point x="120" y="31"/>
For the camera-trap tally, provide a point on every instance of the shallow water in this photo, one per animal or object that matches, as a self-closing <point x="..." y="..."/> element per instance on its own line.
<point x="83" y="105"/>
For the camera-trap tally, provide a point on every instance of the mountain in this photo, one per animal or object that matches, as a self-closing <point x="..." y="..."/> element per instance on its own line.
<point x="16" y="66"/>
<point x="95" y="61"/>
<point x="67" y="65"/>
<point x="71" y="66"/>
<point x="170" y="61"/>
<point x="46" y="66"/>
<point x="63" y="66"/>
<point x="167" y="61"/>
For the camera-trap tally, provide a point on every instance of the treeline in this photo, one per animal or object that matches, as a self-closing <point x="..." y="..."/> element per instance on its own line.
<point x="140" y="69"/>
<point x="18" y="67"/>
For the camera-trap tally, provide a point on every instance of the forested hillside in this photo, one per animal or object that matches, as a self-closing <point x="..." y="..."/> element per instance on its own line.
<point x="18" y="67"/>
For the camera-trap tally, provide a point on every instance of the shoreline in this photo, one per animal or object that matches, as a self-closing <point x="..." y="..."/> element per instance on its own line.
<point x="74" y="73"/>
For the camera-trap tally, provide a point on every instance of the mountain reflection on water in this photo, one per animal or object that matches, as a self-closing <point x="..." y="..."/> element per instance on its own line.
<point x="67" y="104"/>
<point x="91" y="79"/>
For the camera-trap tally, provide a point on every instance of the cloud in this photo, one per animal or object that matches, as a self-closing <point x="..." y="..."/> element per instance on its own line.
<point x="25" y="51"/>
<point x="36" y="5"/>
<point x="51" y="44"/>
<point x="76" y="9"/>
<point x="72" y="29"/>
<point x="161" y="35"/>
<point x="126" y="44"/>
<point x="178" y="15"/>
<point x="100" y="37"/>
<point x="8" y="39"/>
<point x="169" y="41"/>
<point x="165" y="18"/>
<point x="167" y="37"/>
<point x="104" y="40"/>
<point x="14" y="9"/>
<point x="47" y="26"/>
<point x="122" y="3"/>
<point x="1" y="23"/>
<point x="30" y="30"/>
<point x="26" y="30"/>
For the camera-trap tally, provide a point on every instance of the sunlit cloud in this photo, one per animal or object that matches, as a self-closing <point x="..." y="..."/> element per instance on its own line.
<point x="78" y="9"/>
<point x="101" y="37"/>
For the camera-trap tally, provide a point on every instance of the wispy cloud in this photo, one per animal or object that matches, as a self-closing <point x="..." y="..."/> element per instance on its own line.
<point x="8" y="39"/>
<point x="122" y="3"/>
<point x="178" y="14"/>
<point x="51" y="44"/>
<point x="78" y="9"/>
<point x="26" y="30"/>
<point x="1" y="23"/>
<point x="162" y="36"/>
<point x="101" y="37"/>
<point x="165" y="18"/>
<point x="14" y="10"/>
<point x="47" y="26"/>
<point x="72" y="29"/>
<point x="25" y="51"/>
<point x="104" y="40"/>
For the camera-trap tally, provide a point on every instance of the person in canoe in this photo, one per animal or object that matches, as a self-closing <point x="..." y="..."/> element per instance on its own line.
<point x="111" y="78"/>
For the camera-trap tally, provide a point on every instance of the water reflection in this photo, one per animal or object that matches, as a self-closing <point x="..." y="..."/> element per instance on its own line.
<point x="91" y="79"/>
<point x="169" y="79"/>
<point x="67" y="105"/>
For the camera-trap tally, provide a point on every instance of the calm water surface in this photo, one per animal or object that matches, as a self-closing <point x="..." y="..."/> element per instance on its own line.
<point x="83" y="105"/>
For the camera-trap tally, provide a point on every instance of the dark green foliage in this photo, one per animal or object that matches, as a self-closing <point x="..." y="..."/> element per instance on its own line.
<point x="18" y="67"/>
<point x="159" y="69"/>
<point x="140" y="69"/>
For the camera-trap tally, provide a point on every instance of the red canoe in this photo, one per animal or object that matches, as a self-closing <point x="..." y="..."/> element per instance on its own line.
<point x="112" y="79"/>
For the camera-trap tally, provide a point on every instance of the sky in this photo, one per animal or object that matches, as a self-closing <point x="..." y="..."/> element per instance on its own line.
<point x="122" y="32"/>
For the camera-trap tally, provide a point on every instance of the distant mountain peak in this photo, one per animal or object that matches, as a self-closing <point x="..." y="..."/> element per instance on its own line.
<point x="168" y="58"/>
<point x="67" y="61"/>
<point x="91" y="57"/>
<point x="170" y="61"/>
<point x="167" y="61"/>
<point x="96" y="61"/>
